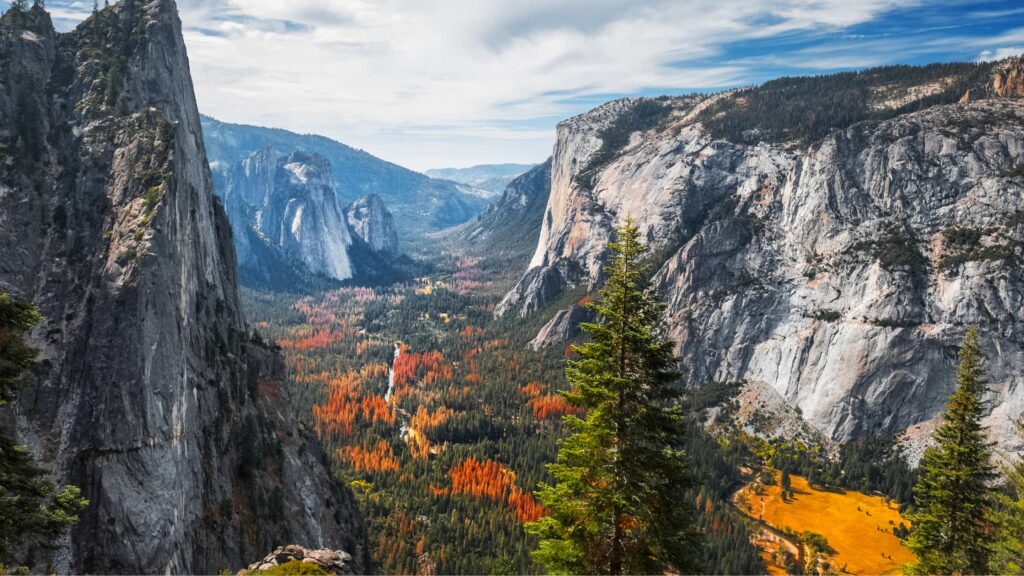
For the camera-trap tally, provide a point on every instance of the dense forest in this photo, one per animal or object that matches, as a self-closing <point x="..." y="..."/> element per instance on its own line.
<point x="445" y="455"/>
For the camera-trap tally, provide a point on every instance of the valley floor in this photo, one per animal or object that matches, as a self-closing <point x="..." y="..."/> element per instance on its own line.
<point x="436" y="416"/>
<point x="441" y="420"/>
<point x="858" y="527"/>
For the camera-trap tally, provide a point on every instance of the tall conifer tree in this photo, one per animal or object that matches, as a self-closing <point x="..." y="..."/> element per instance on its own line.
<point x="949" y="529"/>
<point x="1008" y="519"/>
<point x="619" y="502"/>
<point x="33" y="511"/>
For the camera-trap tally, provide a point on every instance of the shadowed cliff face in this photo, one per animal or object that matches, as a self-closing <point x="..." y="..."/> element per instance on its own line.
<point x="151" y="395"/>
<point x="372" y="222"/>
<point x="290" y="230"/>
<point x="840" y="271"/>
<point x="286" y="205"/>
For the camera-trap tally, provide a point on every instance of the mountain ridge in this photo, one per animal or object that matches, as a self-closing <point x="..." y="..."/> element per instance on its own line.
<point x="420" y="204"/>
<point x="722" y="188"/>
<point x="491" y="178"/>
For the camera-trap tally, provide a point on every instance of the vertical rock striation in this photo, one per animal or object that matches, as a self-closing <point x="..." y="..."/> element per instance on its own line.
<point x="284" y="212"/>
<point x="291" y="231"/>
<point x="151" y="395"/>
<point x="369" y="220"/>
<point x="836" y="260"/>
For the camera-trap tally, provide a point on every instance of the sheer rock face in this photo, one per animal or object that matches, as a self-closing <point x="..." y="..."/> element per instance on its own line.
<point x="371" y="221"/>
<point x="420" y="204"/>
<point x="285" y="205"/>
<point x="151" y="396"/>
<point x="1008" y="80"/>
<point x="826" y="269"/>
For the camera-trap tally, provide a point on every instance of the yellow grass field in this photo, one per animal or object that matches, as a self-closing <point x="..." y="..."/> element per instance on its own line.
<point x="862" y="539"/>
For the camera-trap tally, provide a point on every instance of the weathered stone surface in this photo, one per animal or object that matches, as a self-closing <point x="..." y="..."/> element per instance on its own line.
<point x="563" y="327"/>
<point x="820" y="269"/>
<point x="151" y="395"/>
<point x="286" y="217"/>
<point x="371" y="221"/>
<point x="1009" y="79"/>
<point x="336" y="562"/>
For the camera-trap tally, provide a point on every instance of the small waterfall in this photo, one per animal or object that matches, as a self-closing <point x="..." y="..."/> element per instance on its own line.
<point x="403" y="430"/>
<point x="391" y="374"/>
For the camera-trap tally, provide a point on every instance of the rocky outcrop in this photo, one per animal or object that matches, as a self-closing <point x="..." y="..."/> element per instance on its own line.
<point x="151" y="395"/>
<point x="337" y="562"/>
<point x="839" y="264"/>
<point x="563" y="327"/>
<point x="1008" y="79"/>
<point x="284" y="213"/>
<point x="372" y="223"/>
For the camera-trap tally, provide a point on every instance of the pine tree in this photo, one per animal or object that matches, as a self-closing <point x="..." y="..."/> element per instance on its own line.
<point x="619" y="504"/>
<point x="1008" y="518"/>
<point x="949" y="528"/>
<point x="33" y="511"/>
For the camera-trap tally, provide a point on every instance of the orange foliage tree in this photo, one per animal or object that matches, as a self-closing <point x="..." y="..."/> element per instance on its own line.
<point x="494" y="481"/>
<point x="379" y="458"/>
<point x="547" y="406"/>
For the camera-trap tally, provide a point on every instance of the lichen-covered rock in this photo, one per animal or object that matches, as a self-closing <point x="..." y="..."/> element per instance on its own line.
<point x="336" y="562"/>
<point x="151" y="395"/>
<point x="841" y="271"/>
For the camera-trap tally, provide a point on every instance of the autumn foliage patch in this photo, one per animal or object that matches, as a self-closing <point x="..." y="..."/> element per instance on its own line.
<point x="494" y="481"/>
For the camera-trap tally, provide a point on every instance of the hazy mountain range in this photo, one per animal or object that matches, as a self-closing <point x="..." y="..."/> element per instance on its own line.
<point x="489" y="178"/>
<point x="419" y="203"/>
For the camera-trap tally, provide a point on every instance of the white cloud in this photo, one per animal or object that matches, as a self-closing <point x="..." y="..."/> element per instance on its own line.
<point x="438" y="82"/>
<point x="1000" y="53"/>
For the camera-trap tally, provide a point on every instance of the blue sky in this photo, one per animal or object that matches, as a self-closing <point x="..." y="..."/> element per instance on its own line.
<point x="436" y="83"/>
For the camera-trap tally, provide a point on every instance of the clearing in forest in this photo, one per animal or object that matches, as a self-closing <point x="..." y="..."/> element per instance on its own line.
<point x="859" y="528"/>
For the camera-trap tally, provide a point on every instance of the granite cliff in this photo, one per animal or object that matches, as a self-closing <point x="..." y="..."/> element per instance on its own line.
<point x="153" y="395"/>
<point x="827" y="239"/>
<point x="372" y="222"/>
<point x="292" y="232"/>
<point x="420" y="204"/>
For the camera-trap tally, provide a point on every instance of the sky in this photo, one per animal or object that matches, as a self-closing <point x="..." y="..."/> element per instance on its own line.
<point x="439" y="83"/>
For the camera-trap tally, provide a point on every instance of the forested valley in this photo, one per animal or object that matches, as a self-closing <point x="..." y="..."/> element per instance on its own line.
<point x="444" y="457"/>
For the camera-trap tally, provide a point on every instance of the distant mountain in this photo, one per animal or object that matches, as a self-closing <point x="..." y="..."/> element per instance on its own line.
<point x="510" y="228"/>
<point x="420" y="204"/>
<point x="489" y="179"/>
<point x="290" y="229"/>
